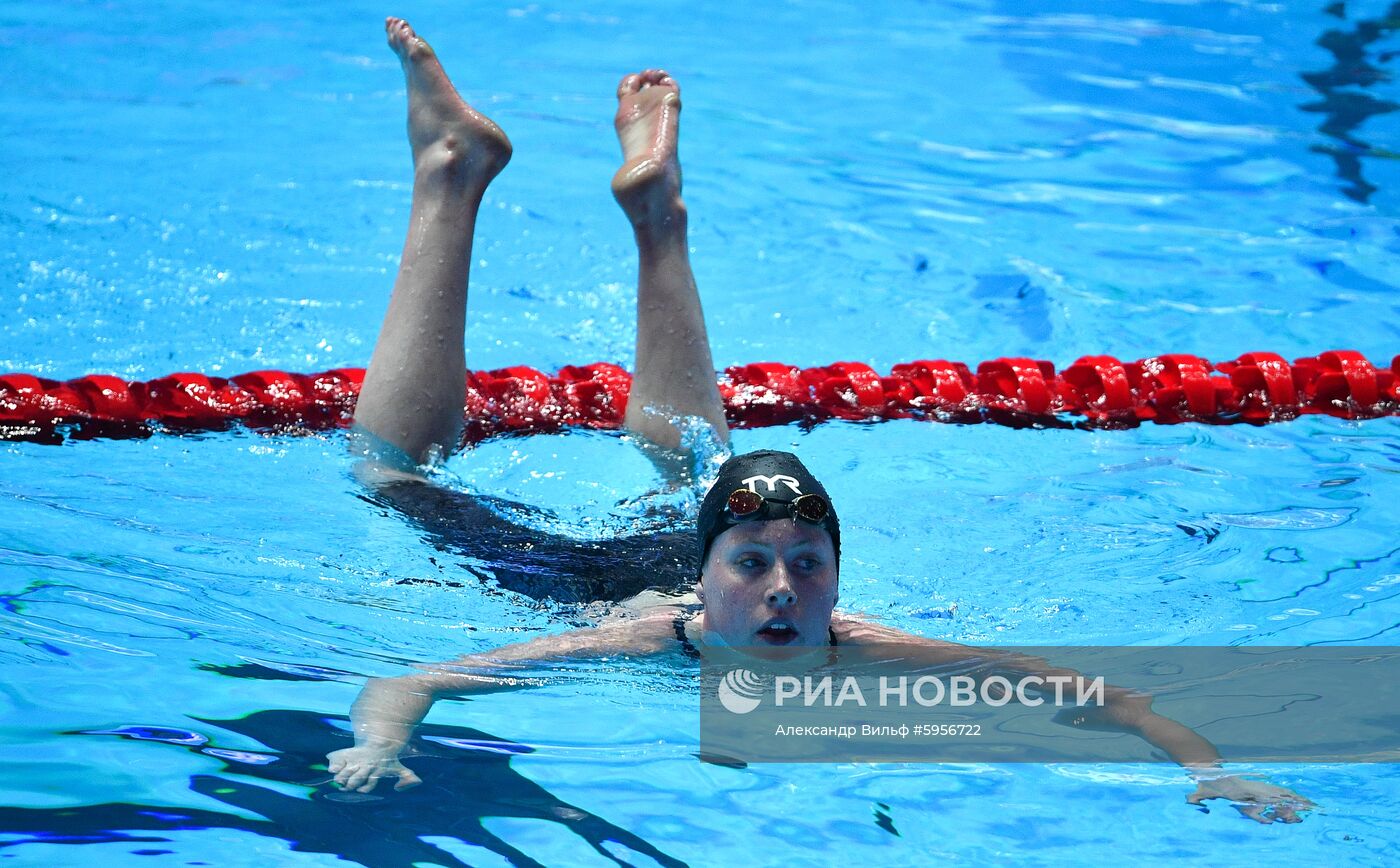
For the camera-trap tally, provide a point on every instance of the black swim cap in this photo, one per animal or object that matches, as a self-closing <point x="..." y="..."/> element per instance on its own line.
<point x="777" y="476"/>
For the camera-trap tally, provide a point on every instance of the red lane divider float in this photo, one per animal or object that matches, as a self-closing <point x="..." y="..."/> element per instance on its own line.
<point x="1094" y="392"/>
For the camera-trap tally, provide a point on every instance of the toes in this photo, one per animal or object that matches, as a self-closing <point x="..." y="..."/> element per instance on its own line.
<point x="398" y="30"/>
<point x="639" y="81"/>
<point x="655" y="77"/>
<point x="629" y="85"/>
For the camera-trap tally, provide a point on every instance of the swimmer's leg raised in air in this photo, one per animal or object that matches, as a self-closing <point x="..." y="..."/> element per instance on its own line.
<point x="675" y="373"/>
<point x="415" y="385"/>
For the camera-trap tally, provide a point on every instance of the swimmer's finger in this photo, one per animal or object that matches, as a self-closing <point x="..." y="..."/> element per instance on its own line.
<point x="1301" y="803"/>
<point x="357" y="777"/>
<point x="346" y="775"/>
<point x="407" y="779"/>
<point x="343" y="775"/>
<point x="370" y="784"/>
<point x="1255" y="813"/>
<point x="1286" y="814"/>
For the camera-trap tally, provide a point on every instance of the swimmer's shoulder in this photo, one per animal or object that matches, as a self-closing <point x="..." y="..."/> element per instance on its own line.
<point x="648" y="621"/>
<point x="858" y="630"/>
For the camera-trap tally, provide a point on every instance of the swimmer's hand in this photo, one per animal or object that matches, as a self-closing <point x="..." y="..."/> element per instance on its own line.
<point x="359" y="769"/>
<point x="1259" y="801"/>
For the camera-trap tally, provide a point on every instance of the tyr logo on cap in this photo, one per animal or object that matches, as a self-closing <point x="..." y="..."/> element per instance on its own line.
<point x="772" y="483"/>
<point x="777" y="477"/>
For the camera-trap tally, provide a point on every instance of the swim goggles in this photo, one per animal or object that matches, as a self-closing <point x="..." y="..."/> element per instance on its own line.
<point x="744" y="505"/>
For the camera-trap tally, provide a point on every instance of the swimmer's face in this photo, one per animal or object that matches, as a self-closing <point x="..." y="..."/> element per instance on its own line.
<point x="770" y="583"/>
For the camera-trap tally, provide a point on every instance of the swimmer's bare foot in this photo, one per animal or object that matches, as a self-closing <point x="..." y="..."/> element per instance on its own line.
<point x="450" y="139"/>
<point x="674" y="374"/>
<point x="648" y="186"/>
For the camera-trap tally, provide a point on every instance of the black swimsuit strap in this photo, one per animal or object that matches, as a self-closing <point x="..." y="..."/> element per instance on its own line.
<point x="686" y="645"/>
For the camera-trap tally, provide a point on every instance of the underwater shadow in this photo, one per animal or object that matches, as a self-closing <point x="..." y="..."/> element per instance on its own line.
<point x="1343" y="104"/>
<point x="466" y="774"/>
<point x="536" y="563"/>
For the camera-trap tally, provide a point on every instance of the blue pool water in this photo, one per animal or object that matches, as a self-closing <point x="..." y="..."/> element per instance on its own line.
<point x="221" y="188"/>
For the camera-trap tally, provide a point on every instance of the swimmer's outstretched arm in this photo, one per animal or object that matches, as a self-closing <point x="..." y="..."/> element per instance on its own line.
<point x="1123" y="711"/>
<point x="1131" y="712"/>
<point x="415" y="386"/>
<point x="674" y="374"/>
<point x="387" y="710"/>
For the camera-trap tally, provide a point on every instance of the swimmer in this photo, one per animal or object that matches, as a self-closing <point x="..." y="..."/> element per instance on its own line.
<point x="767" y="542"/>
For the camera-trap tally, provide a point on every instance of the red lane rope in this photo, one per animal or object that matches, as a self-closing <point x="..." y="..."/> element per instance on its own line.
<point x="1094" y="392"/>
